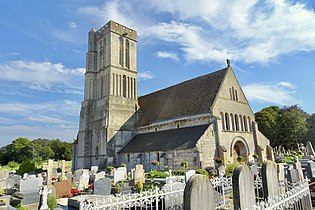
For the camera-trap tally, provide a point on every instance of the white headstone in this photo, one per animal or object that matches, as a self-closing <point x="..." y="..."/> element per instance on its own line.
<point x="119" y="175"/>
<point x="139" y="174"/>
<point x="189" y="174"/>
<point x="44" y="192"/>
<point x="99" y="176"/>
<point x="94" y="169"/>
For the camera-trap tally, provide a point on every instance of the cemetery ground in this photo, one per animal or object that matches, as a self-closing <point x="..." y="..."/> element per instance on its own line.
<point x="283" y="184"/>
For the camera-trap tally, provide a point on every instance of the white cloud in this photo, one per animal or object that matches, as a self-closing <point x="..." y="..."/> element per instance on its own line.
<point x="44" y="76"/>
<point x="266" y="93"/>
<point x="146" y="75"/>
<point x="65" y="108"/>
<point x="170" y="55"/>
<point x="245" y="30"/>
<point x="11" y="132"/>
<point x="73" y="25"/>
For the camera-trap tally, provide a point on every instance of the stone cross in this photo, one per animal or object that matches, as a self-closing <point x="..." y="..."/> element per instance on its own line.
<point x="243" y="188"/>
<point x="44" y="192"/>
<point x="63" y="169"/>
<point x="269" y="181"/>
<point x="49" y="171"/>
<point x="199" y="193"/>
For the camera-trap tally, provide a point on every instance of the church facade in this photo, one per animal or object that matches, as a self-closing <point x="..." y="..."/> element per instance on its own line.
<point x="199" y="121"/>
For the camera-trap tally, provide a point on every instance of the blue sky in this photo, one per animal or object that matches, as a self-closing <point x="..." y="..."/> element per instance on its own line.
<point x="271" y="45"/>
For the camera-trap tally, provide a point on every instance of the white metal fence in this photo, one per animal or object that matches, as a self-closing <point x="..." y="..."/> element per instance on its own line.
<point x="297" y="198"/>
<point x="170" y="197"/>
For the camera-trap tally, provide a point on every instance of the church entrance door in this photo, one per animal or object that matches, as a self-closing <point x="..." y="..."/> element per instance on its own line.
<point x="240" y="149"/>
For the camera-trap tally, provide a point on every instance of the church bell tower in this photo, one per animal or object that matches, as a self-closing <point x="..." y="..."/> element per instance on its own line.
<point x="108" y="112"/>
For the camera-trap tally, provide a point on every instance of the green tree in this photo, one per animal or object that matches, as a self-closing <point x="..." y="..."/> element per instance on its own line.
<point x="310" y="134"/>
<point x="291" y="126"/>
<point x="62" y="150"/>
<point x="20" y="149"/>
<point x="267" y="120"/>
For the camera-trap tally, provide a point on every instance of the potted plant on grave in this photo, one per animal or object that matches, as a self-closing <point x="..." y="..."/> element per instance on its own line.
<point x="118" y="189"/>
<point x="255" y="156"/>
<point x="184" y="164"/>
<point x="155" y="164"/>
<point x="110" y="170"/>
<point x="123" y="164"/>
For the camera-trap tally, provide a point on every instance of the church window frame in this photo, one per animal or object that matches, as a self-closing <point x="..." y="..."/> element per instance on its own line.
<point x="236" y="122"/>
<point x="232" y="122"/>
<point x="241" y="123"/>
<point x="249" y="125"/>
<point x="227" y="121"/>
<point x="124" y="86"/>
<point x="127" y="54"/>
<point x="222" y="120"/>
<point x="245" y="123"/>
<point x="121" y="51"/>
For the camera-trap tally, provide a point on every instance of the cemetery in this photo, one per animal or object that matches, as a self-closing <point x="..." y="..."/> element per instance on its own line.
<point x="252" y="185"/>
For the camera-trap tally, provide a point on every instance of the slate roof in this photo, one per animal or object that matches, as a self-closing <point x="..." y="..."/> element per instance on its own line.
<point x="191" y="97"/>
<point x="175" y="139"/>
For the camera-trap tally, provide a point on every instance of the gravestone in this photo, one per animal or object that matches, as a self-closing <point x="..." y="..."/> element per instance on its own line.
<point x="139" y="174"/>
<point x="309" y="149"/>
<point x="94" y="169"/>
<point x="297" y="166"/>
<point x="31" y="184"/>
<point x="309" y="167"/>
<point x="103" y="186"/>
<point x="7" y="183"/>
<point x="4" y="174"/>
<point x="292" y="175"/>
<point x="119" y="175"/>
<point x="269" y="181"/>
<point x="189" y="174"/>
<point x="84" y="180"/>
<point x="199" y="194"/>
<point x="132" y="173"/>
<point x="99" y="176"/>
<point x="281" y="177"/>
<point x="63" y="189"/>
<point x="25" y="176"/>
<point x="221" y="170"/>
<point x="69" y="175"/>
<point x="243" y="188"/>
<point x="254" y="170"/>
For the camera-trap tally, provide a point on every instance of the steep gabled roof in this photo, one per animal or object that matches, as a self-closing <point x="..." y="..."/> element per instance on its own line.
<point x="175" y="139"/>
<point x="191" y="97"/>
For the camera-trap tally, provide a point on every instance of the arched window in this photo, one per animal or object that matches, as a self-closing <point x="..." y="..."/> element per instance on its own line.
<point x="241" y="123"/>
<point x="231" y="97"/>
<point x="124" y="86"/>
<point x="245" y="123"/>
<point x="117" y="85"/>
<point x="232" y="122"/>
<point x="227" y="122"/>
<point x="121" y="51"/>
<point x="249" y="125"/>
<point x="127" y="54"/>
<point x="236" y="97"/>
<point x="120" y="85"/>
<point x="236" y="123"/>
<point x="113" y="79"/>
<point x="96" y="153"/>
<point x="222" y="120"/>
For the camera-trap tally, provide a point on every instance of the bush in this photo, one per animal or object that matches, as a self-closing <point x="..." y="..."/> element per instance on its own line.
<point x="184" y="164"/>
<point x="13" y="165"/>
<point x="178" y="172"/>
<point x="230" y="168"/>
<point x="139" y="186"/>
<point x="118" y="188"/>
<point x="157" y="174"/>
<point x="201" y="171"/>
<point x="26" y="166"/>
<point x="52" y="202"/>
<point x="20" y="207"/>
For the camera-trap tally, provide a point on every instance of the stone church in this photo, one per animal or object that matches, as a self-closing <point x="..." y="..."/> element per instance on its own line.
<point x="198" y="121"/>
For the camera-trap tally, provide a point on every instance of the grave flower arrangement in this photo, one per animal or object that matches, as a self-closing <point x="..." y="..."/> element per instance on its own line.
<point x="123" y="164"/>
<point x="155" y="162"/>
